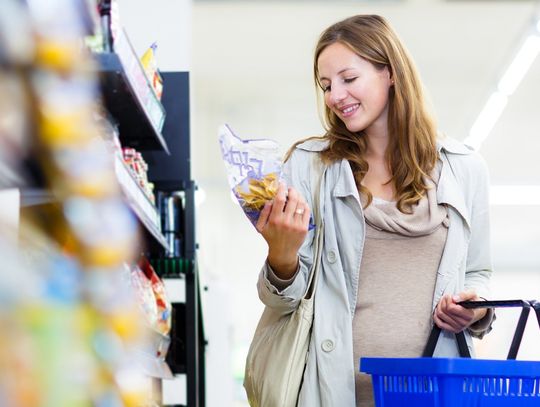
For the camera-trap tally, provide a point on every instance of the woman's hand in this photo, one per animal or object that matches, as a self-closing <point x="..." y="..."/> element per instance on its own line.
<point x="453" y="317"/>
<point x="284" y="225"/>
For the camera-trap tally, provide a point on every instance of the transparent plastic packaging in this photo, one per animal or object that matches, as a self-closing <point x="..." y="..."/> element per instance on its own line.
<point x="253" y="170"/>
<point x="145" y="296"/>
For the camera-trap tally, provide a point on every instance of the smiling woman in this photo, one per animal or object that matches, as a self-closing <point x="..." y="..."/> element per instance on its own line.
<point x="388" y="85"/>
<point x="358" y="93"/>
<point x="405" y="214"/>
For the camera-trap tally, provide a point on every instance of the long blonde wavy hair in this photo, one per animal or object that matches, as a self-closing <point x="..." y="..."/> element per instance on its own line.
<point x="412" y="151"/>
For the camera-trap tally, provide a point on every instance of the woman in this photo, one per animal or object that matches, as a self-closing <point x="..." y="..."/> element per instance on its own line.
<point x="406" y="219"/>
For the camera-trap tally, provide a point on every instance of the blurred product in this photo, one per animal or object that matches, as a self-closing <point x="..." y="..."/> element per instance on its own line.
<point x="149" y="63"/>
<point x="164" y="307"/>
<point x="68" y="329"/>
<point x="139" y="169"/>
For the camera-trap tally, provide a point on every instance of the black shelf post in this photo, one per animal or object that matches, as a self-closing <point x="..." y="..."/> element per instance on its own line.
<point x="171" y="175"/>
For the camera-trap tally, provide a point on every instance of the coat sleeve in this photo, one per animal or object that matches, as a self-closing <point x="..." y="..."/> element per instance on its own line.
<point x="285" y="296"/>
<point x="479" y="265"/>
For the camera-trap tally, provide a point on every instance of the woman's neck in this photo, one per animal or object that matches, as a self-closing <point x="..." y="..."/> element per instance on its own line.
<point x="377" y="143"/>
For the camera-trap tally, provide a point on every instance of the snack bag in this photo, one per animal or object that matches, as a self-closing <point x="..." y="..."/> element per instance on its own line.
<point x="145" y="295"/>
<point x="253" y="170"/>
<point x="163" y="305"/>
<point x="150" y="66"/>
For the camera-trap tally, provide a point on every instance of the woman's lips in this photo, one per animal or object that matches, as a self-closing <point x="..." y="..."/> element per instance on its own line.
<point x="349" y="110"/>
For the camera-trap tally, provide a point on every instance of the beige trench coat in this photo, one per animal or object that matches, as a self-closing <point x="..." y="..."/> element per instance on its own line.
<point x="465" y="263"/>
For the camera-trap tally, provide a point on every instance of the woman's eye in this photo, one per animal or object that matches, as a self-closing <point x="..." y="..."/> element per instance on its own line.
<point x="326" y="88"/>
<point x="349" y="80"/>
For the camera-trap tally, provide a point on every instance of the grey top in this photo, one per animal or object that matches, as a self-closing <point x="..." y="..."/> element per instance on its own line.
<point x="399" y="266"/>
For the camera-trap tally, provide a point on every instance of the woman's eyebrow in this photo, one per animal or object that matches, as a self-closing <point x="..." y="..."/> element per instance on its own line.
<point x="340" y="72"/>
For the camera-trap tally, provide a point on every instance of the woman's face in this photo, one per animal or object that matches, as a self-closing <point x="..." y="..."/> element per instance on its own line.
<point x="354" y="89"/>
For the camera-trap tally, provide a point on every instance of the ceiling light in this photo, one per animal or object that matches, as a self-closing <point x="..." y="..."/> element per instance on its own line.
<point x="486" y="120"/>
<point x="520" y="65"/>
<point x="515" y="195"/>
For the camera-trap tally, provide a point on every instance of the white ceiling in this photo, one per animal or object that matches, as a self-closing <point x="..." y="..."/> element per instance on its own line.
<point x="252" y="68"/>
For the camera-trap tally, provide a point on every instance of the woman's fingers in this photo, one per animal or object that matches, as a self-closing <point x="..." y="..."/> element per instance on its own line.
<point x="289" y="208"/>
<point x="301" y="212"/>
<point x="454" y="325"/>
<point x="452" y="316"/>
<point x="292" y="203"/>
<point x="279" y="201"/>
<point x="443" y="317"/>
<point x="443" y="325"/>
<point x="304" y="219"/>
<point x="263" y="217"/>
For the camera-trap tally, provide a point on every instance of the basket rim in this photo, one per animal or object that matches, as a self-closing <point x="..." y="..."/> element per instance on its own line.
<point x="450" y="367"/>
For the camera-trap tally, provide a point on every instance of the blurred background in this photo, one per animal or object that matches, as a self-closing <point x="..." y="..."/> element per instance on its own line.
<point x="251" y="64"/>
<point x="252" y="68"/>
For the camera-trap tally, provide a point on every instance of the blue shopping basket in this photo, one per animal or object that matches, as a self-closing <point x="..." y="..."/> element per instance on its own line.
<point x="459" y="382"/>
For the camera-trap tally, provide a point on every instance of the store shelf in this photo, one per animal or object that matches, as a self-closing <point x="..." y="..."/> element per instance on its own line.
<point x="131" y="99"/>
<point x="36" y="196"/>
<point x="8" y="177"/>
<point x="135" y="198"/>
<point x="144" y="210"/>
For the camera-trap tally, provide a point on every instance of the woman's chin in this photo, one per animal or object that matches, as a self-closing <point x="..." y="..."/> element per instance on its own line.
<point x="354" y="127"/>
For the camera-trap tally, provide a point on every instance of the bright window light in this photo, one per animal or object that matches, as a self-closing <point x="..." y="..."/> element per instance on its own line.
<point x="518" y="195"/>
<point x="486" y="120"/>
<point x="520" y="65"/>
<point x="538" y="26"/>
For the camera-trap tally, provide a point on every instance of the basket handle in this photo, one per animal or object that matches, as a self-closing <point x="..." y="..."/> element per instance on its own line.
<point x="434" y="337"/>
<point x="518" y="335"/>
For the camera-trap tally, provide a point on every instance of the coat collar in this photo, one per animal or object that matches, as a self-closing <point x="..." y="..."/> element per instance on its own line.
<point x="449" y="190"/>
<point x="452" y="145"/>
<point x="317" y="144"/>
<point x="314" y="144"/>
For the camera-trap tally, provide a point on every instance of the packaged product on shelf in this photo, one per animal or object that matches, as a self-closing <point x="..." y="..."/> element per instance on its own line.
<point x="105" y="243"/>
<point x="139" y="168"/>
<point x="58" y="46"/>
<point x="145" y="296"/>
<point x="253" y="170"/>
<point x="149" y="63"/>
<point x="95" y="39"/>
<point x="108" y="10"/>
<point x="108" y="129"/>
<point x="16" y="36"/>
<point x="14" y="128"/>
<point x="164" y="306"/>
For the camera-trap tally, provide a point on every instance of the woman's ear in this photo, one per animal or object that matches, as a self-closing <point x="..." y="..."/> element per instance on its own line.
<point x="390" y="75"/>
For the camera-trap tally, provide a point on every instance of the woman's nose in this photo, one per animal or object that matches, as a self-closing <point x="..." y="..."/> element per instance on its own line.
<point x="337" y="94"/>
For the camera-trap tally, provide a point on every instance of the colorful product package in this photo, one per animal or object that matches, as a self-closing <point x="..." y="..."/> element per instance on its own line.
<point x="145" y="296"/>
<point x="149" y="63"/>
<point x="253" y="170"/>
<point x="164" y="306"/>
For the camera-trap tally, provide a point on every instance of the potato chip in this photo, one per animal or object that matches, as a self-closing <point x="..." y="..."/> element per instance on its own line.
<point x="260" y="191"/>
